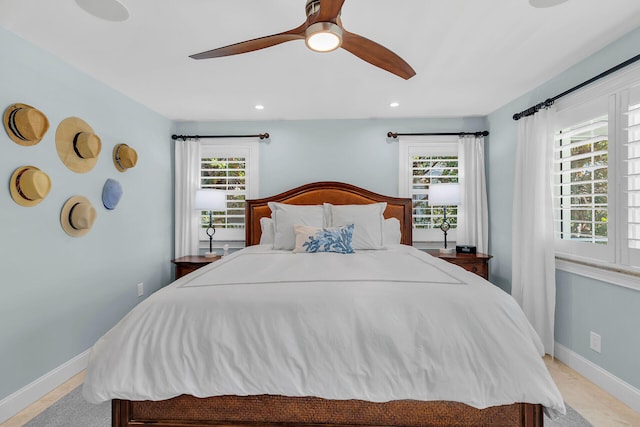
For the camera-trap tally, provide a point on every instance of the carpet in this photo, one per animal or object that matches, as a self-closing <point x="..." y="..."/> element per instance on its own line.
<point x="73" y="411"/>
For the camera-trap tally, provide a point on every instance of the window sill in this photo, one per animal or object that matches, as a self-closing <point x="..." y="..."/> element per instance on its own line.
<point x="614" y="275"/>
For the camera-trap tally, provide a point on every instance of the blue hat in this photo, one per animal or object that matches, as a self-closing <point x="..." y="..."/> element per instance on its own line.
<point x="111" y="193"/>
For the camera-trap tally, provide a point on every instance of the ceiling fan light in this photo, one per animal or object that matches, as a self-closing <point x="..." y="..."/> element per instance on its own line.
<point x="323" y="36"/>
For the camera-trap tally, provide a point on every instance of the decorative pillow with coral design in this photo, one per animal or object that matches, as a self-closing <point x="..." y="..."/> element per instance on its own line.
<point x="316" y="239"/>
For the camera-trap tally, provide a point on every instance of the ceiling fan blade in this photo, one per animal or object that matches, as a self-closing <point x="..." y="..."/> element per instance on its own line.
<point x="254" y="44"/>
<point x="376" y="54"/>
<point x="329" y="10"/>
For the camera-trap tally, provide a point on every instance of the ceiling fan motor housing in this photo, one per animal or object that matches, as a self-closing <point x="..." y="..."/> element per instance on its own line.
<point x="313" y="6"/>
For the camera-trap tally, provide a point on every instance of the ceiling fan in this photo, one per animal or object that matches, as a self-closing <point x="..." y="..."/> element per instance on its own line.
<point x="323" y="32"/>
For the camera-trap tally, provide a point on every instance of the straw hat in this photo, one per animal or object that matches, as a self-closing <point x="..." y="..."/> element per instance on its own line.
<point x="29" y="186"/>
<point x="77" y="145"/>
<point x="77" y="216"/>
<point x="111" y="193"/>
<point x="24" y="124"/>
<point x="124" y="157"/>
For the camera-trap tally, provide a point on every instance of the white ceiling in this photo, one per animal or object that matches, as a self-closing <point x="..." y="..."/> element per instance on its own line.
<point x="471" y="56"/>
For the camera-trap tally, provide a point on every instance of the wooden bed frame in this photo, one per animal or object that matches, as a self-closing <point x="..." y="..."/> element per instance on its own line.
<point x="269" y="410"/>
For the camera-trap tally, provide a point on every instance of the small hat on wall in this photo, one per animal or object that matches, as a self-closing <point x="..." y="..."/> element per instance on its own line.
<point x="24" y="124"/>
<point x="77" y="216"/>
<point x="77" y="145"/>
<point x="111" y="193"/>
<point x="124" y="157"/>
<point x="29" y="186"/>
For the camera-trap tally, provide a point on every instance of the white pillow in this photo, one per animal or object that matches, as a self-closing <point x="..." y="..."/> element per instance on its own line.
<point x="285" y="216"/>
<point x="368" y="220"/>
<point x="268" y="234"/>
<point x="392" y="233"/>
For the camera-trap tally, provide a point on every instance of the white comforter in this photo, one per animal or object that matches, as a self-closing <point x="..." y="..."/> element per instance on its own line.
<point x="375" y="325"/>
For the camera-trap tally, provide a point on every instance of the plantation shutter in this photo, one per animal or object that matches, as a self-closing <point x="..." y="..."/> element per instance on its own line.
<point x="425" y="161"/>
<point x="233" y="169"/>
<point x="582" y="181"/>
<point x="631" y="124"/>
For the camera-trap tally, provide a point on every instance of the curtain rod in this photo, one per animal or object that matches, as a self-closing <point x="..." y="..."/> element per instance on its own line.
<point x="549" y="102"/>
<point x="185" y="137"/>
<point x="477" y="134"/>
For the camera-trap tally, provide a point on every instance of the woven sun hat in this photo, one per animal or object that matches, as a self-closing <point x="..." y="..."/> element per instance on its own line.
<point x="77" y="216"/>
<point x="111" y="193"/>
<point x="77" y="145"/>
<point x="29" y="186"/>
<point x="124" y="157"/>
<point x="24" y="124"/>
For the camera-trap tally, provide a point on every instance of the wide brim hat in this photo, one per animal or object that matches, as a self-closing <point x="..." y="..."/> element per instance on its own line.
<point x="25" y="124"/>
<point x="77" y="216"/>
<point x="29" y="186"/>
<point x="77" y="145"/>
<point x="124" y="157"/>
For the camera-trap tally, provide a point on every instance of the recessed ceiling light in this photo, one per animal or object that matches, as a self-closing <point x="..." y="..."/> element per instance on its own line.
<point x="110" y="10"/>
<point x="259" y="107"/>
<point x="545" y="3"/>
<point x="394" y="104"/>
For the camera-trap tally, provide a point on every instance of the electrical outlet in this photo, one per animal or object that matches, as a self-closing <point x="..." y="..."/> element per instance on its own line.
<point x="140" y="289"/>
<point x="595" y="342"/>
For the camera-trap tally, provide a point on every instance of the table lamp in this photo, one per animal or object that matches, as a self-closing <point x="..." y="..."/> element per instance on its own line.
<point x="210" y="200"/>
<point x="444" y="195"/>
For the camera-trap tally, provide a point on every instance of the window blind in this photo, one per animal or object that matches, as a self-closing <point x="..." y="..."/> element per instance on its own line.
<point x="581" y="181"/>
<point x="231" y="166"/>
<point x="427" y="170"/>
<point x="227" y="174"/>
<point x="633" y="170"/>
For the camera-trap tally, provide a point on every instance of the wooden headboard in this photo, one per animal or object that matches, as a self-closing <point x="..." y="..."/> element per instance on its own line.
<point x="336" y="193"/>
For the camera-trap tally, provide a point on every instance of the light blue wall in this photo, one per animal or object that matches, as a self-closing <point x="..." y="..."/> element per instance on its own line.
<point x="583" y="305"/>
<point x="58" y="294"/>
<point x="353" y="151"/>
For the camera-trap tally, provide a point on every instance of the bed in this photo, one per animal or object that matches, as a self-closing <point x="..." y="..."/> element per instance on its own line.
<point x="324" y="400"/>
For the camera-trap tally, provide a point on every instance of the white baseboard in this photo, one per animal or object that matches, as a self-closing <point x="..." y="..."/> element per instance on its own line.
<point x="620" y="389"/>
<point x="16" y="402"/>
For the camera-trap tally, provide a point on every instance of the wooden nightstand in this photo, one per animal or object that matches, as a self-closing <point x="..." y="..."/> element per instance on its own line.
<point x="475" y="263"/>
<point x="187" y="264"/>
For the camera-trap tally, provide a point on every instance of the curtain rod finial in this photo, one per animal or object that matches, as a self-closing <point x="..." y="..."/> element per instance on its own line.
<point x="392" y="135"/>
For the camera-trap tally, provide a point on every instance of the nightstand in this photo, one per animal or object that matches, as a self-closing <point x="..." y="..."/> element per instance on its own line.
<point x="187" y="264"/>
<point x="475" y="263"/>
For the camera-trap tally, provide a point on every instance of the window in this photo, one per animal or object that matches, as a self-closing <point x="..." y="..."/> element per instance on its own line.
<point x="597" y="173"/>
<point x="424" y="161"/>
<point x="581" y="166"/>
<point x="631" y="126"/>
<point x="231" y="166"/>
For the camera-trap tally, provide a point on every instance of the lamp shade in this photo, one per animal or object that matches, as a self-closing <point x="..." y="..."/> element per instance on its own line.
<point x="210" y="200"/>
<point x="444" y="194"/>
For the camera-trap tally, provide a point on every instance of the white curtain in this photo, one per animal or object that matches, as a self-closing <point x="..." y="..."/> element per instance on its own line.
<point x="187" y="181"/>
<point x="473" y="216"/>
<point x="533" y="271"/>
